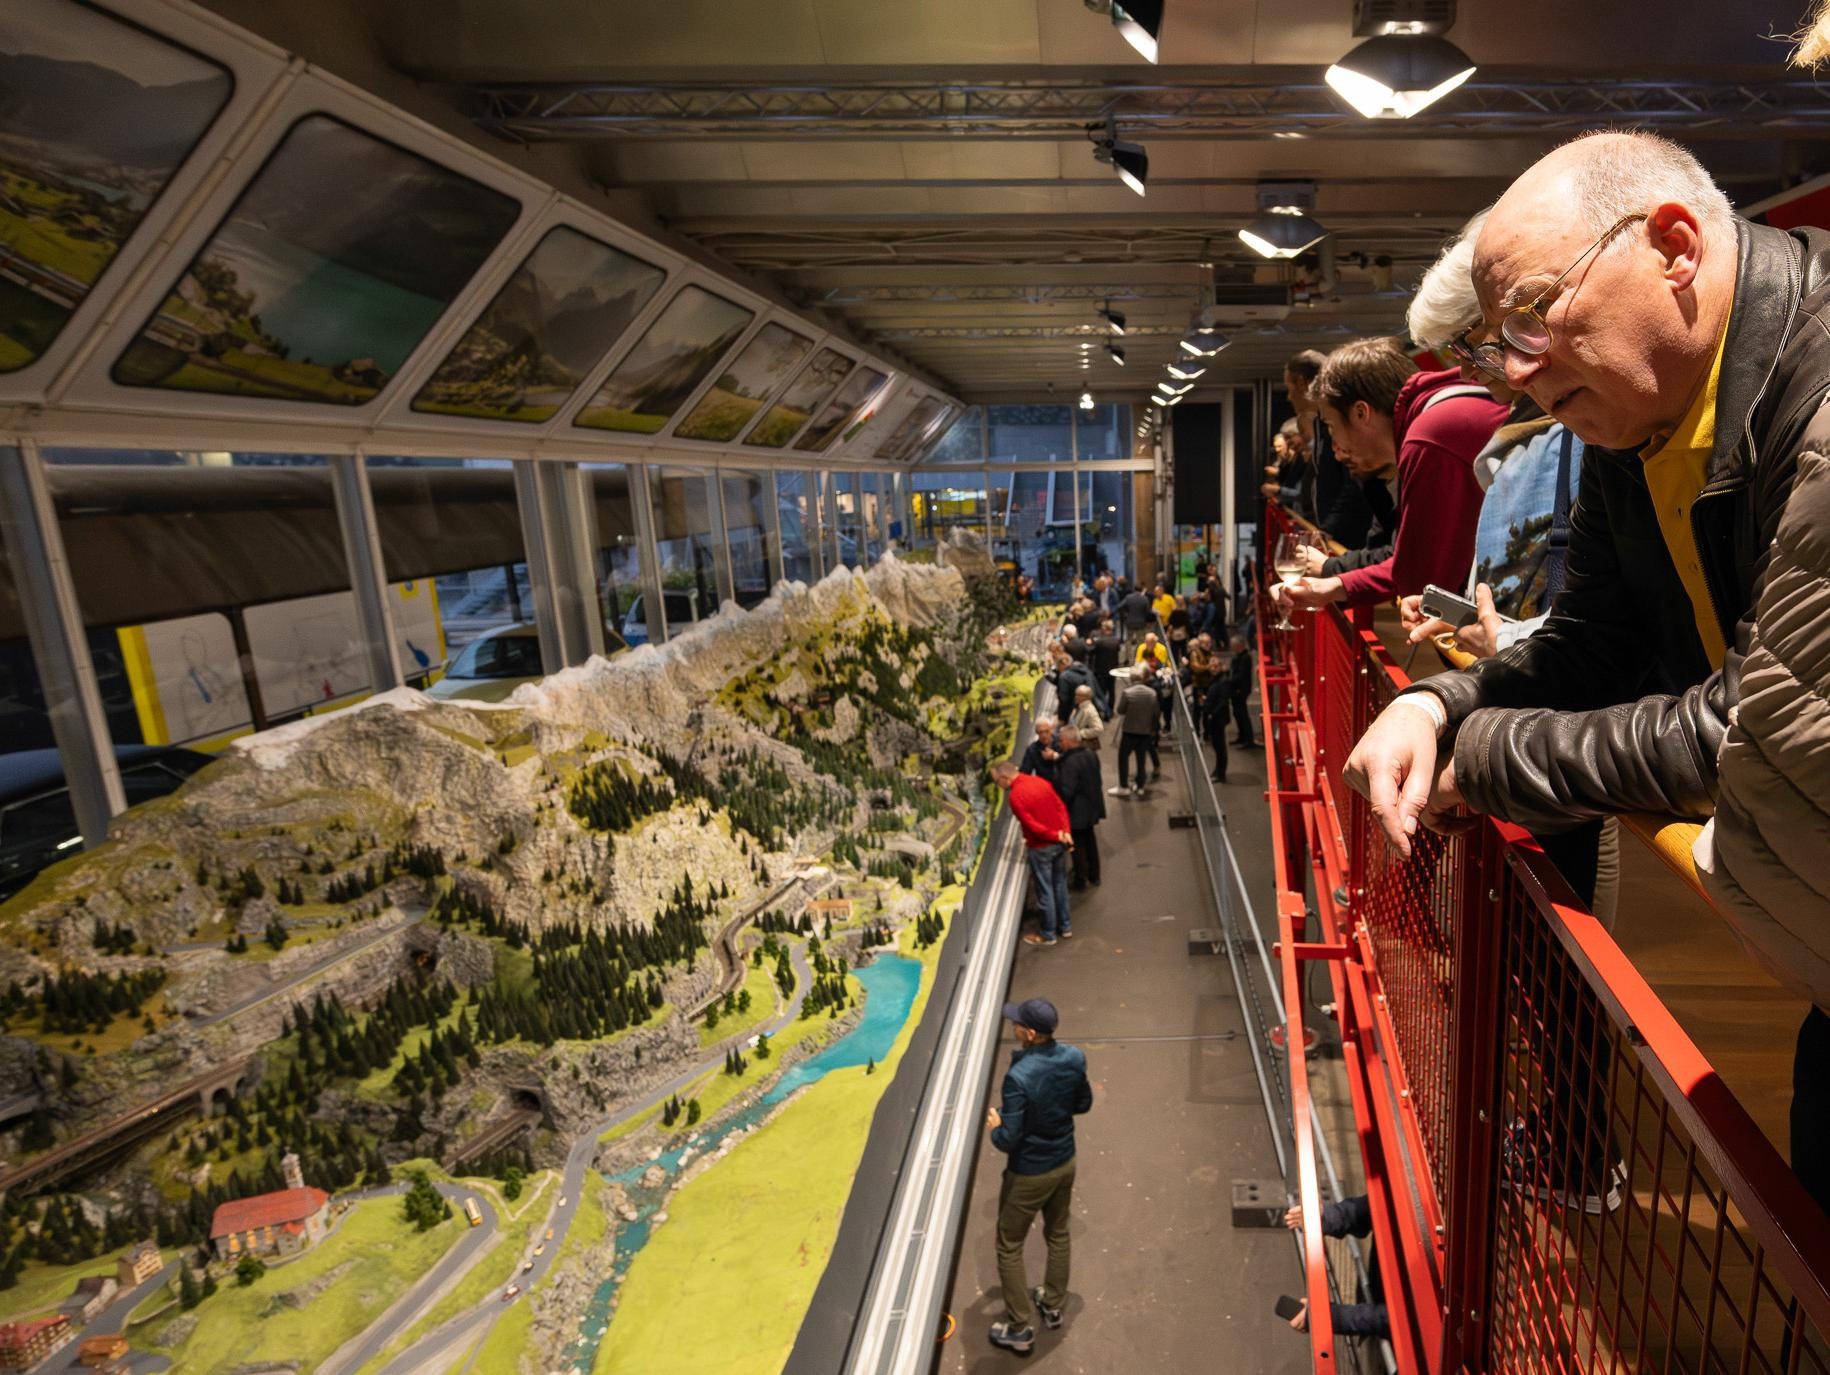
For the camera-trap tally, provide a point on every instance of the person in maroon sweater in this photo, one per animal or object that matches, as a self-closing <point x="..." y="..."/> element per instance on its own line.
<point x="1043" y="816"/>
<point x="1423" y="430"/>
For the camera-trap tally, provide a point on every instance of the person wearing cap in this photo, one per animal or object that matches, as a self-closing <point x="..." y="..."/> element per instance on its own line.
<point x="1045" y="1088"/>
<point x="1047" y="838"/>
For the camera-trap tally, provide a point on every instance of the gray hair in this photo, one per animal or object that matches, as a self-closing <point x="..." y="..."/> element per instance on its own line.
<point x="1045" y="723"/>
<point x="1445" y="303"/>
<point x="1083" y="693"/>
<point x="1624" y="172"/>
<point x="1288" y="428"/>
<point x="1069" y="736"/>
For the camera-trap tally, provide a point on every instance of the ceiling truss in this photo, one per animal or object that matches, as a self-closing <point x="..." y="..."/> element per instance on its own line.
<point x="1192" y="109"/>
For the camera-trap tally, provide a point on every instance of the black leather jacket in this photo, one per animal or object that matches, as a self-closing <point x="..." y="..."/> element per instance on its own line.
<point x="1612" y="705"/>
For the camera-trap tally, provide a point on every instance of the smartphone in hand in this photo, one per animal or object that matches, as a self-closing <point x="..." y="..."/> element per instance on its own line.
<point x="1445" y="605"/>
<point x="1288" y="1306"/>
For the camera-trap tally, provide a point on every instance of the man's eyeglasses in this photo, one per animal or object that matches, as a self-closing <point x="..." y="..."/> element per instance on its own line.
<point x="1524" y="327"/>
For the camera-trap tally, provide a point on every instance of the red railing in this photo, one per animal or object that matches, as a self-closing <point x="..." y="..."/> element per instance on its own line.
<point x="1505" y="1061"/>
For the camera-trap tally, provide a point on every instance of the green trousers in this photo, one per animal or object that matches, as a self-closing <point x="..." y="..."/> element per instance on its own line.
<point x="1020" y="1198"/>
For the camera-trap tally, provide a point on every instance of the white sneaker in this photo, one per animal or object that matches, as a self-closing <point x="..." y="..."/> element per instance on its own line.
<point x="1117" y="792"/>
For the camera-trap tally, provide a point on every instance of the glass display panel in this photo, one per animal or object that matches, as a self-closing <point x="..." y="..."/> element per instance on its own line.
<point x="95" y="117"/>
<point x="308" y="292"/>
<point x="845" y="411"/>
<point x="533" y="344"/>
<point x="748" y="536"/>
<point x="686" y="543"/>
<point x="741" y="389"/>
<point x="794" y="497"/>
<point x="805" y="394"/>
<point x="618" y="559"/>
<point x="671" y="358"/>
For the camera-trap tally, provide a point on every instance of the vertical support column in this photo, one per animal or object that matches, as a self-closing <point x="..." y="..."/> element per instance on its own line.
<point x="368" y="578"/>
<point x="829" y="497"/>
<point x="775" y="555"/>
<point x="721" y="546"/>
<point x="578" y="508"/>
<point x="641" y="505"/>
<point x="813" y="524"/>
<point x="60" y="649"/>
<point x="1079" y="518"/>
<point x="539" y="564"/>
<point x="1229" y="495"/>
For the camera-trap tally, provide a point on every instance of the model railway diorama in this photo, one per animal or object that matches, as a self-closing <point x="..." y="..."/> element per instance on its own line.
<point x="538" y="1036"/>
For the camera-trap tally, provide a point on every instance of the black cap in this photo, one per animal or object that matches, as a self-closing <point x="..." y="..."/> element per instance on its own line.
<point x="1038" y="1014"/>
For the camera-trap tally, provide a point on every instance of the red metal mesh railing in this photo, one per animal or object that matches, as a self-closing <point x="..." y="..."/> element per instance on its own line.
<point x="1560" y="1181"/>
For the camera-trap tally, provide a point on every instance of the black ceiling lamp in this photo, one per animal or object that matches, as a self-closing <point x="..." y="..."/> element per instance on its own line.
<point x="1117" y="354"/>
<point x="1139" y="22"/>
<point x="1115" y="319"/>
<point x="1405" y="65"/>
<point x="1283" y="228"/>
<point x="1129" y="160"/>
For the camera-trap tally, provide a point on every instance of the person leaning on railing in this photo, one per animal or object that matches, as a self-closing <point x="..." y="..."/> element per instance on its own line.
<point x="1689" y="349"/>
<point x="1340" y="508"/>
<point x="1529" y="471"/>
<point x="1387" y="417"/>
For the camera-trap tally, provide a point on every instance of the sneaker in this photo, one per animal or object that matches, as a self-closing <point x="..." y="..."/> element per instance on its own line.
<point x="1034" y="938"/>
<point x="1051" y="1317"/>
<point x="1011" y="1338"/>
<point x="1117" y="792"/>
<point x="1066" y="934"/>
<point x="1138" y="790"/>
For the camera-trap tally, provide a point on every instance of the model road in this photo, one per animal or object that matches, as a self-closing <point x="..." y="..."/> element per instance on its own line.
<point x="308" y="971"/>
<point x="113" y="1318"/>
<point x="468" y="1329"/>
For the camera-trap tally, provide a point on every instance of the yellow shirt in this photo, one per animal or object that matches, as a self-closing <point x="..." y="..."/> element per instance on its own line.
<point x="1163" y="605"/>
<point x="1675" y="470"/>
<point x="1161" y="653"/>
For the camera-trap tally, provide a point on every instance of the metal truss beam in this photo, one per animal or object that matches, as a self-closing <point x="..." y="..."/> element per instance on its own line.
<point x="1190" y="109"/>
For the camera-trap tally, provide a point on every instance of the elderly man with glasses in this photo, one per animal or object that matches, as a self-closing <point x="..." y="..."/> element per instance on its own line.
<point x="1690" y="351"/>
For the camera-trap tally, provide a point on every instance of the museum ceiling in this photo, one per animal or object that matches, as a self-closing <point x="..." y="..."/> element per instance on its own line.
<point x="921" y="170"/>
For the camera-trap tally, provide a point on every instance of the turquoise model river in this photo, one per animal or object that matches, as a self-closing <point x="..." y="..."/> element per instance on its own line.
<point x="890" y="984"/>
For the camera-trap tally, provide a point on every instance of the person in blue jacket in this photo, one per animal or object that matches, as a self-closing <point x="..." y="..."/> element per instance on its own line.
<point x="1045" y="1088"/>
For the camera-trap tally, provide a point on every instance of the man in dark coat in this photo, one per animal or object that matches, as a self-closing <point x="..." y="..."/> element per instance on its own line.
<point x="1239" y="691"/>
<point x="1077" y="779"/>
<point x="1105" y="650"/>
<point x="1041" y="758"/>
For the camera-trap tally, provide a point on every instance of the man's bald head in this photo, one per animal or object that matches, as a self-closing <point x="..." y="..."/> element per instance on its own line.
<point x="1634" y="325"/>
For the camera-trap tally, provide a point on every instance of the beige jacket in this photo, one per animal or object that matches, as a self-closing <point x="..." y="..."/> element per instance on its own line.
<point x="1085" y="719"/>
<point x="1765" y="857"/>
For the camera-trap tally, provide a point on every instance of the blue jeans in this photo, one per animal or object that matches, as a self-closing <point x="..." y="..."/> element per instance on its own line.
<point x="1049" y="867"/>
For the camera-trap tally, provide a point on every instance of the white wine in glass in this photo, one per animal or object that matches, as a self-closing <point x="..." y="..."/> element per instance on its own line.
<point x="1287" y="559"/>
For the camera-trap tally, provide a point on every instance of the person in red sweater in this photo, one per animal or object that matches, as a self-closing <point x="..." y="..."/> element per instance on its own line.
<point x="1043" y="816"/>
<point x="1421" y="431"/>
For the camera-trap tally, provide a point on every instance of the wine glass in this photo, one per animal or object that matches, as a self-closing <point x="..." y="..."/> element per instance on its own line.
<point x="1288" y="560"/>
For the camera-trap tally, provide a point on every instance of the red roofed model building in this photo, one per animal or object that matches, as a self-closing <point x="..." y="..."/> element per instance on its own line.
<point x="270" y="1224"/>
<point x="24" y="1344"/>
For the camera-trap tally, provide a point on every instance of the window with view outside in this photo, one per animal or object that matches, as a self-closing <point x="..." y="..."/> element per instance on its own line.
<point x="964" y="441"/>
<point x="686" y="544"/>
<point x="941" y="501"/>
<point x="1104" y="432"/>
<point x="99" y="115"/>
<point x="549" y="324"/>
<point x="617" y="561"/>
<point x="308" y="293"/>
<point x="847" y="511"/>
<point x="747" y="533"/>
<point x="1031" y="434"/>
<point x="673" y="356"/>
<point x="795" y="516"/>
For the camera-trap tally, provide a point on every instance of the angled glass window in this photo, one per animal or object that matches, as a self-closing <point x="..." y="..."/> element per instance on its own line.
<point x="95" y="116"/>
<point x="917" y="427"/>
<point x="846" y="411"/>
<point x="533" y="344"/>
<point x="309" y="291"/>
<point x="742" y="387"/>
<point x="805" y="395"/>
<point x="670" y="359"/>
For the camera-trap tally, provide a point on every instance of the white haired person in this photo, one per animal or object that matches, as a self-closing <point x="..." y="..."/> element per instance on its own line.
<point x="1688" y="348"/>
<point x="1529" y="471"/>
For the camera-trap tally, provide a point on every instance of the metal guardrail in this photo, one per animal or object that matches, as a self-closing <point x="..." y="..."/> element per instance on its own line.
<point x="903" y="1305"/>
<point x="1507" y="1061"/>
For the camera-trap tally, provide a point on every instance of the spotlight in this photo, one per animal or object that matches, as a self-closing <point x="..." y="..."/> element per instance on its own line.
<point x="1140" y="23"/>
<point x="1169" y="390"/>
<point x="1129" y="160"/>
<point x="1182" y="374"/>
<point x="1115" y="320"/>
<point x="1394" y="76"/>
<point x="1118" y="354"/>
<point x="1282" y="236"/>
<point x="1086" y="400"/>
<point x="1203" y="341"/>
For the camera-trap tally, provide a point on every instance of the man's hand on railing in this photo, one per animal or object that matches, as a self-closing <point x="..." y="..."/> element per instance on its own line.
<point x="1395" y="767"/>
<point x="1306" y="594"/>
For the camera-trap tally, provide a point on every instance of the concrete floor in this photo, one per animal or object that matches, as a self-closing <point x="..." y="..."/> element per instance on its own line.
<point x="1161" y="1280"/>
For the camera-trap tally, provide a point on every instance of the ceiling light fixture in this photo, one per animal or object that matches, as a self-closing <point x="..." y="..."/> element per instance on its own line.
<point x="1115" y="319"/>
<point x="1182" y="374"/>
<point x="1283" y="229"/>
<point x="1169" y="390"/>
<point x="1117" y="354"/>
<point x="1202" y="341"/>
<point x="1129" y="160"/>
<point x="1139" y="23"/>
<point x="1086" y="400"/>
<point x="1405" y="65"/>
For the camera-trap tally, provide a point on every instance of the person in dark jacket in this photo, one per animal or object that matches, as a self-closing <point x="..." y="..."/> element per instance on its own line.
<point x="1136" y="615"/>
<point x="1070" y="677"/>
<point x="1350" y="1217"/>
<point x="1077" y="779"/>
<point x="1215" y="708"/>
<point x="1694" y="390"/>
<point x="1104" y="650"/>
<point x="1340" y="508"/>
<point x="1041" y="758"/>
<point x="1239" y="692"/>
<point x="1045" y="1089"/>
